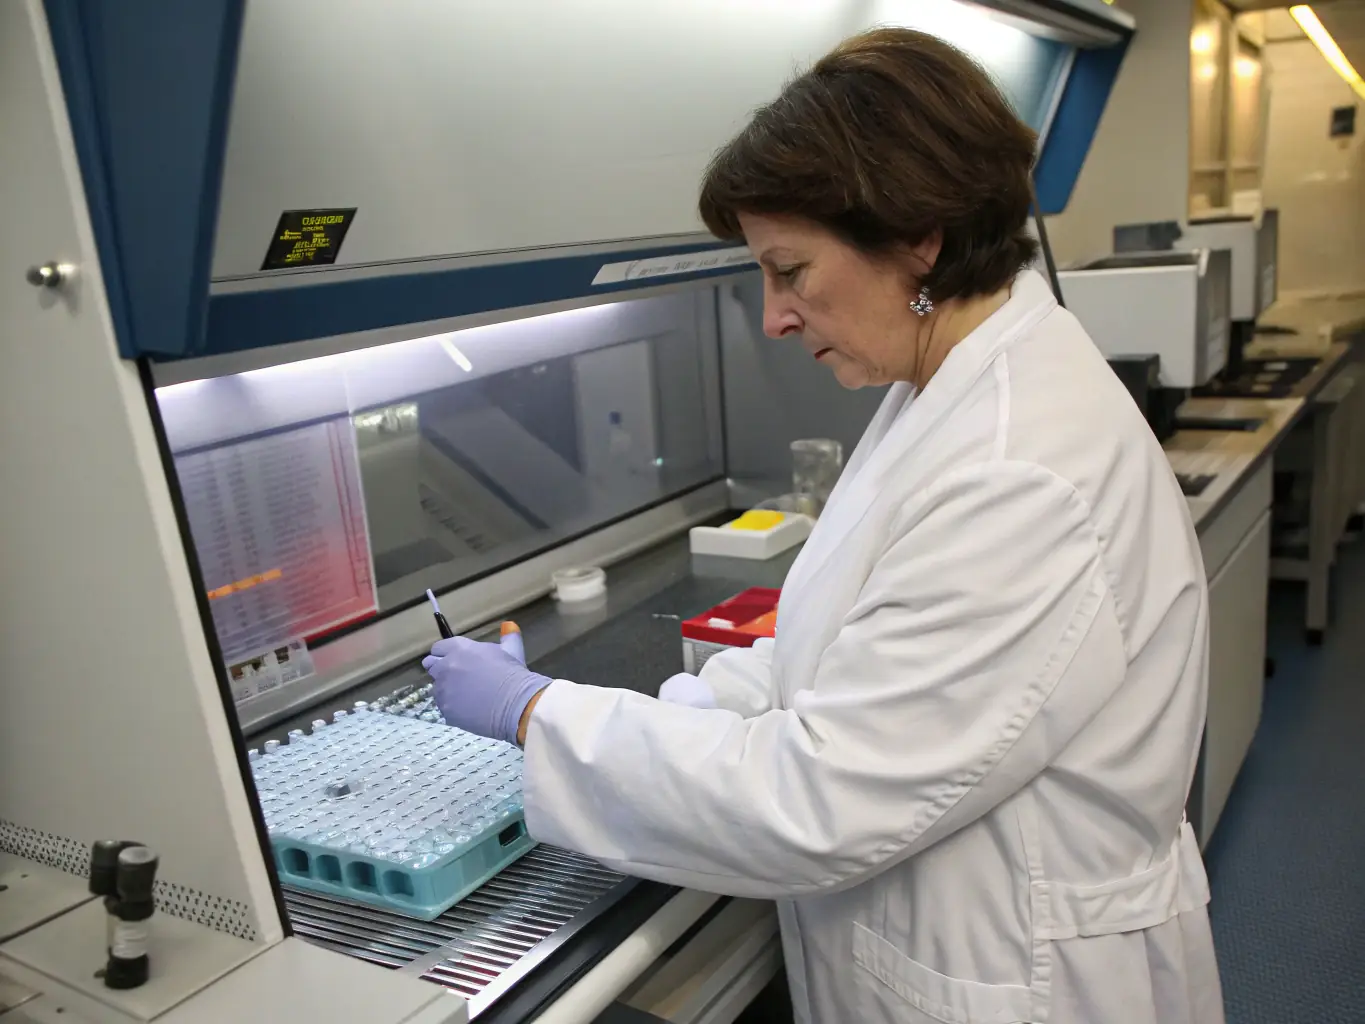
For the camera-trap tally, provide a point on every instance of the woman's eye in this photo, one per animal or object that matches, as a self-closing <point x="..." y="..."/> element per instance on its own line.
<point x="788" y="274"/>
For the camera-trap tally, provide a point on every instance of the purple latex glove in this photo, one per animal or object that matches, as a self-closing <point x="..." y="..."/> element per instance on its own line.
<point x="483" y="688"/>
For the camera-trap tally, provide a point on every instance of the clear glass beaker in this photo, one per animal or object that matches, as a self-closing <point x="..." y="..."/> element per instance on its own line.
<point x="816" y="464"/>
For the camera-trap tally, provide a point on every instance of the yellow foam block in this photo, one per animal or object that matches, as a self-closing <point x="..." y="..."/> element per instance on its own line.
<point x="756" y="519"/>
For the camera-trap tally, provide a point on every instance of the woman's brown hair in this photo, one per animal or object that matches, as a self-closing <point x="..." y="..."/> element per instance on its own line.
<point x="893" y="135"/>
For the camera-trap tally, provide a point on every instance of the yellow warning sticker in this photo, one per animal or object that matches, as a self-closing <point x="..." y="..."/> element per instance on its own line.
<point x="307" y="238"/>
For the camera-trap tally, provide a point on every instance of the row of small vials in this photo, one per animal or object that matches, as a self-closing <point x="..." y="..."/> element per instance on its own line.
<point x="409" y="702"/>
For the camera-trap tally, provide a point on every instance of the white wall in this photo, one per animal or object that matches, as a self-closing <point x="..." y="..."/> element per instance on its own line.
<point x="1317" y="182"/>
<point x="1138" y="169"/>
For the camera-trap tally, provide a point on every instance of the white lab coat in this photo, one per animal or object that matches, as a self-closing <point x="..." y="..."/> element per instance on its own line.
<point x="961" y="768"/>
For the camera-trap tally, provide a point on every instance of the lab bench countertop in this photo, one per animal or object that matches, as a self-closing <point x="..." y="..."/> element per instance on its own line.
<point x="634" y="638"/>
<point x="1320" y="326"/>
<point x="1330" y="357"/>
<point x="1319" y="321"/>
<point x="641" y="646"/>
<point x="1231" y="456"/>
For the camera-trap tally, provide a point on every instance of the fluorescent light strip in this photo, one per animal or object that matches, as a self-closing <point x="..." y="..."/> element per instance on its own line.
<point x="1327" y="46"/>
<point x="458" y="357"/>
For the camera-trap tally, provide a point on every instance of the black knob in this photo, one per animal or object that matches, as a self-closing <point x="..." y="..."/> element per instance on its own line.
<point x="104" y="865"/>
<point x="136" y="873"/>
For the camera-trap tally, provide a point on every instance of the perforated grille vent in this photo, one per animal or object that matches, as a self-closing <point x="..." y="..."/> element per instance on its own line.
<point x="44" y="848"/>
<point x="216" y="912"/>
<point x="73" y="857"/>
<point x="480" y="944"/>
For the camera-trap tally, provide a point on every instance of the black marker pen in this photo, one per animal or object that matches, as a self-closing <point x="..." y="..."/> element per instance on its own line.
<point x="441" y="623"/>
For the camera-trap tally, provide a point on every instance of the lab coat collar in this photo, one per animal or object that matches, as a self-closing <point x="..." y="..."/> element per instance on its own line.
<point x="905" y="417"/>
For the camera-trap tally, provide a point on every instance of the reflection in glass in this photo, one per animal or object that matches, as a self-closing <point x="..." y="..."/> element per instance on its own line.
<point x="430" y="462"/>
<point x="1027" y="67"/>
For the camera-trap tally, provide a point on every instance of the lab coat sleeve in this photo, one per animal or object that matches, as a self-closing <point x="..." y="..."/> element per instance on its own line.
<point x="984" y="638"/>
<point x="741" y="678"/>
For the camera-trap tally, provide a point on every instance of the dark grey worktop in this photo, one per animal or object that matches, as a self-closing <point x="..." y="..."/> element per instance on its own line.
<point x="640" y="647"/>
<point x="634" y="640"/>
<point x="631" y="639"/>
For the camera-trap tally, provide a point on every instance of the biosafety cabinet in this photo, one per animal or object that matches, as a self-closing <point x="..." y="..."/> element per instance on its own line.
<point x="311" y="307"/>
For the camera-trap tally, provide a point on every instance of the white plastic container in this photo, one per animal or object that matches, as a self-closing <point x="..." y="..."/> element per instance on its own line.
<point x="579" y="584"/>
<point x="747" y="537"/>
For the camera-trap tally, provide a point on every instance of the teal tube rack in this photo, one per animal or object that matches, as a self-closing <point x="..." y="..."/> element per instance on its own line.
<point x="392" y="811"/>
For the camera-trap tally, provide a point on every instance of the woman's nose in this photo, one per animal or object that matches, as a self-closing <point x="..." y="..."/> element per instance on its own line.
<point x="779" y="319"/>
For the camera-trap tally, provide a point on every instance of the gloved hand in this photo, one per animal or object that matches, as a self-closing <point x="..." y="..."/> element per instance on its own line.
<point x="483" y="687"/>
<point x="688" y="690"/>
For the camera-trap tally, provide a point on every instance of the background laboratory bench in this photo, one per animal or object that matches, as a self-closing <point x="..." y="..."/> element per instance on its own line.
<point x="1278" y="491"/>
<point x="1307" y="347"/>
<point x="1322" y="464"/>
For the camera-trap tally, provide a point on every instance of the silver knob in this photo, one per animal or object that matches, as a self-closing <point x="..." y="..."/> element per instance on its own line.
<point x="49" y="275"/>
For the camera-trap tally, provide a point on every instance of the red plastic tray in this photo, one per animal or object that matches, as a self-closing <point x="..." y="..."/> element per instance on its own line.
<point x="744" y="610"/>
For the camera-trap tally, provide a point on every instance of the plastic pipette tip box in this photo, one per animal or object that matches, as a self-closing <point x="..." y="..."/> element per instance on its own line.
<point x="394" y="811"/>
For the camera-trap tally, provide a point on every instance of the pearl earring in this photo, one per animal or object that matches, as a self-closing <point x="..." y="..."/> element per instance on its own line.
<point x="923" y="305"/>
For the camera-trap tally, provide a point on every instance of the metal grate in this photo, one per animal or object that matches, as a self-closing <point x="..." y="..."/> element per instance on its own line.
<point x="481" y="944"/>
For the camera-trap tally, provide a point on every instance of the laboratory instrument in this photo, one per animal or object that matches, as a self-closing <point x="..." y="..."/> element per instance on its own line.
<point x="1173" y="305"/>
<point x="1162" y="319"/>
<point x="1253" y="246"/>
<point x="103" y="878"/>
<point x="1141" y="376"/>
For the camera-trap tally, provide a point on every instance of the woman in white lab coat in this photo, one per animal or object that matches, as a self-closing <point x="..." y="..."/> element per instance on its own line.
<point x="961" y="767"/>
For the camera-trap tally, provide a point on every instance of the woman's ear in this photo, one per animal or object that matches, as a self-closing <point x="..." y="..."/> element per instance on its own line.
<point x="926" y="253"/>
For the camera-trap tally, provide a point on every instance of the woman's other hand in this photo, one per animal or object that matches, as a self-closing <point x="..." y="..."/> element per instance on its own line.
<point x="688" y="690"/>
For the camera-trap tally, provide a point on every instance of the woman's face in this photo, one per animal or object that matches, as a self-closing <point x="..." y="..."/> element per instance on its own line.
<point x="850" y="312"/>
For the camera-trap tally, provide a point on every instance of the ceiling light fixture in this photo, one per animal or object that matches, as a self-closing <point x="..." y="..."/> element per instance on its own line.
<point x="1327" y="46"/>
